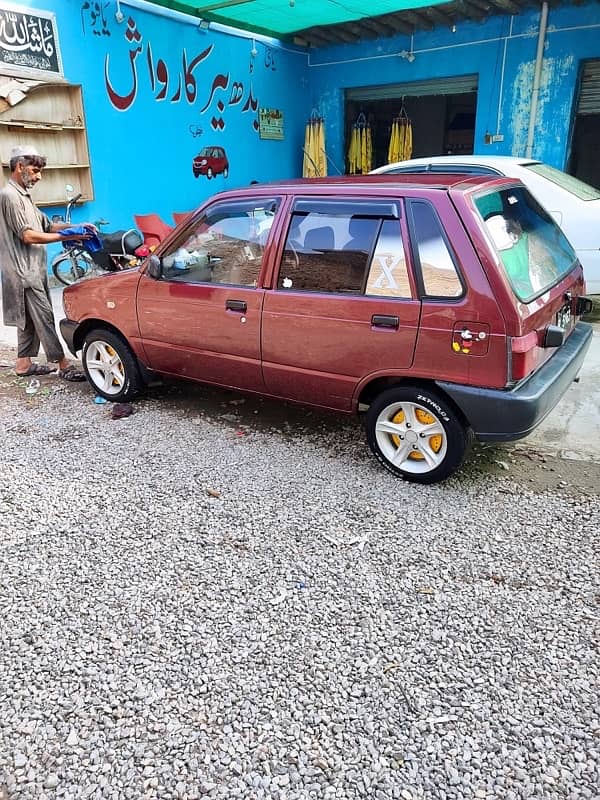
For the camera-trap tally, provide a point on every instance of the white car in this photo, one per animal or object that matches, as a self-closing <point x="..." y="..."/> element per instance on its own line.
<point x="572" y="203"/>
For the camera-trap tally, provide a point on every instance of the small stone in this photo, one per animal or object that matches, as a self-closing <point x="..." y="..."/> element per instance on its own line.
<point x="51" y="781"/>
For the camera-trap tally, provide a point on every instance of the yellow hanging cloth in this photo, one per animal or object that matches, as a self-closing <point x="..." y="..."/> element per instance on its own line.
<point x="322" y="157"/>
<point x="369" y="165"/>
<point x="392" y="147"/>
<point x="408" y="146"/>
<point x="351" y="158"/>
<point x="308" y="169"/>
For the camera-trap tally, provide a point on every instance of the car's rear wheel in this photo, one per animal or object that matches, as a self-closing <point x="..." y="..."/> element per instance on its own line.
<point x="225" y="172"/>
<point x="416" y="434"/>
<point x="209" y="173"/>
<point x="111" y="366"/>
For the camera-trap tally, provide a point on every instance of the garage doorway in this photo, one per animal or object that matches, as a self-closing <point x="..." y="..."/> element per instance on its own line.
<point x="584" y="163"/>
<point x="442" y="114"/>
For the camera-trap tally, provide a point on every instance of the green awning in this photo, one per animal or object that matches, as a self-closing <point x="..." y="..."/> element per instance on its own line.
<point x="283" y="18"/>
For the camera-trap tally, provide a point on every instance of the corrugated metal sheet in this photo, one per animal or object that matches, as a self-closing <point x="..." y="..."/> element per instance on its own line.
<point x="589" y="96"/>
<point x="462" y="84"/>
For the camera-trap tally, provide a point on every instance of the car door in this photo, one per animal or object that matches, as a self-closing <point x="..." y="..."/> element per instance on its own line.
<point x="201" y="318"/>
<point x="343" y="305"/>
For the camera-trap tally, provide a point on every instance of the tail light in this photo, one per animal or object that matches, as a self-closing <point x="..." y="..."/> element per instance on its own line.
<point x="523" y="355"/>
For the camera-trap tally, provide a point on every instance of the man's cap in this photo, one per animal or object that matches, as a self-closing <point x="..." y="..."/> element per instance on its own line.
<point x="23" y="151"/>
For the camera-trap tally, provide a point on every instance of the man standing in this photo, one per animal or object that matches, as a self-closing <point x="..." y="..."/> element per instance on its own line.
<point x="24" y="233"/>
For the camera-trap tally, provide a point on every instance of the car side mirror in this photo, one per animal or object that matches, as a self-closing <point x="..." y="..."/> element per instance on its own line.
<point x="154" y="268"/>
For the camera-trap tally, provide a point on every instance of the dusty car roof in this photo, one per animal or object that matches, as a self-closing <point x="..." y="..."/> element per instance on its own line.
<point x="367" y="183"/>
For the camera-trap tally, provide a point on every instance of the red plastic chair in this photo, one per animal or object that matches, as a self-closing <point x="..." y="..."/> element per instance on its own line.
<point x="152" y="228"/>
<point x="180" y="216"/>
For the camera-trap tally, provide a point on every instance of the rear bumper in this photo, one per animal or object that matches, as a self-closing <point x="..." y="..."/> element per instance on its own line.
<point x="505" y="415"/>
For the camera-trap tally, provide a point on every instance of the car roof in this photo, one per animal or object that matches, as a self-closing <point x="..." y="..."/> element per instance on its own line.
<point x="367" y="184"/>
<point x="500" y="163"/>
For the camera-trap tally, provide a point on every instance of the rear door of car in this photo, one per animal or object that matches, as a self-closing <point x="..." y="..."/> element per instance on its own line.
<point x="343" y="303"/>
<point x="537" y="277"/>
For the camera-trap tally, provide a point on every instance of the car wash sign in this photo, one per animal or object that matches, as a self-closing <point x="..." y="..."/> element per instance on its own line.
<point x="28" y="41"/>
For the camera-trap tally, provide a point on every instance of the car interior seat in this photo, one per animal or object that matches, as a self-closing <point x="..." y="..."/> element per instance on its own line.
<point x="322" y="238"/>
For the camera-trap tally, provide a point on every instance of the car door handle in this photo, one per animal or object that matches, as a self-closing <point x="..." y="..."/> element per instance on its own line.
<point x="385" y="321"/>
<point x="236" y="305"/>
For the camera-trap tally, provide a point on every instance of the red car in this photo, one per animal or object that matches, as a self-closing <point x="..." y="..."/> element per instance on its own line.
<point x="211" y="161"/>
<point x="441" y="307"/>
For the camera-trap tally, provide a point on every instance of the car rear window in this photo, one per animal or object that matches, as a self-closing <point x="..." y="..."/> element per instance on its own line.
<point x="573" y="185"/>
<point x="533" y="250"/>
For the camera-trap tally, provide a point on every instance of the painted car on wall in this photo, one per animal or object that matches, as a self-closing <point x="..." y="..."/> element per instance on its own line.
<point x="573" y="204"/>
<point x="441" y="307"/>
<point x="210" y="161"/>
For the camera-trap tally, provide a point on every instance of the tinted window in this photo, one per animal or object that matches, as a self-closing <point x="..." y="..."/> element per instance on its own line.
<point x="438" y="271"/>
<point x="327" y="253"/>
<point x="345" y="247"/>
<point x="225" y="245"/>
<point x="532" y="248"/>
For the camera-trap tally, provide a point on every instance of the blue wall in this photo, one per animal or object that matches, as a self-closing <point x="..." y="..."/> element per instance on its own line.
<point x="146" y="121"/>
<point x="501" y="51"/>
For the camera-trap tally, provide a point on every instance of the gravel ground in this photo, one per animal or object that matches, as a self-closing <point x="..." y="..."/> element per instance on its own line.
<point x="215" y="605"/>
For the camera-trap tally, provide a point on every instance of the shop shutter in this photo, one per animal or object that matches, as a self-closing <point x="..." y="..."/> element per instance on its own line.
<point x="462" y="84"/>
<point x="589" y="94"/>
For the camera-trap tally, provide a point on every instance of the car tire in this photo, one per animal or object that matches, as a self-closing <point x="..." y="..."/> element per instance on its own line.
<point x="416" y="434"/>
<point x="111" y="366"/>
<point x="196" y="173"/>
<point x="225" y="172"/>
<point x="209" y="173"/>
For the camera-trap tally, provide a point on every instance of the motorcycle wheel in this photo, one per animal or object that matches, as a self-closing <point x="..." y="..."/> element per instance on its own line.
<point x="71" y="266"/>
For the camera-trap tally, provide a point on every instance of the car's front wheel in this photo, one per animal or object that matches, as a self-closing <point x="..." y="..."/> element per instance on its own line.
<point x="416" y="434"/>
<point x="110" y="365"/>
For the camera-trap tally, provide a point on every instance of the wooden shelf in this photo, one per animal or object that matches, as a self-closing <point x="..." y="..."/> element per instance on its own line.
<point x="41" y="126"/>
<point x="63" y="143"/>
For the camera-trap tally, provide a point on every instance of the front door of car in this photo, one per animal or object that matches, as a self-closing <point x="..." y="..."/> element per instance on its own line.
<point x="201" y="318"/>
<point x="344" y="304"/>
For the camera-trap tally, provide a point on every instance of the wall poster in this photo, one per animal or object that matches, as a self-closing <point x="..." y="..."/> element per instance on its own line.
<point x="270" y="123"/>
<point x="28" y="42"/>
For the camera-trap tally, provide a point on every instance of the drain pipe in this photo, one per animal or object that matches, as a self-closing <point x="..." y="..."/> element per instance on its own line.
<point x="539" y="57"/>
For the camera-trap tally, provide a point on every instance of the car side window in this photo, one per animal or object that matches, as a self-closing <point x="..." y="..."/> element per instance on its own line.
<point x="225" y="245"/>
<point x="327" y="253"/>
<point x="388" y="274"/>
<point x="438" y="270"/>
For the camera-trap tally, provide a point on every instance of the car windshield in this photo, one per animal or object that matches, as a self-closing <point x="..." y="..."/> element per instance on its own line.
<point x="567" y="182"/>
<point x="533" y="250"/>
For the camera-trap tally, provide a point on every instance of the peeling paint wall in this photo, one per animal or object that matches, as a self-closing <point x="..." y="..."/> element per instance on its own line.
<point x="501" y="50"/>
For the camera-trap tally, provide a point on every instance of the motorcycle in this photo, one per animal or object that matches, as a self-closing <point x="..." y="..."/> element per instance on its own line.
<point x="120" y="250"/>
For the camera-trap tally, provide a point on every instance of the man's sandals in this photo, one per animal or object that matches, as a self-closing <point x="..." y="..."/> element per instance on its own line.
<point x="71" y="373"/>
<point x="36" y="369"/>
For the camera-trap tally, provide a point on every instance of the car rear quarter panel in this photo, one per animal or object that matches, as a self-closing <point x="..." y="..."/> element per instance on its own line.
<point x="477" y="309"/>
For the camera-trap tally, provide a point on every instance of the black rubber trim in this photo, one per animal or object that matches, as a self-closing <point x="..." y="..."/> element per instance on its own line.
<point x="67" y="331"/>
<point x="503" y="415"/>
